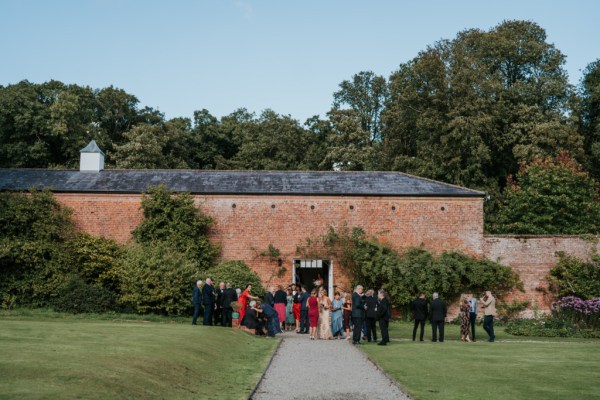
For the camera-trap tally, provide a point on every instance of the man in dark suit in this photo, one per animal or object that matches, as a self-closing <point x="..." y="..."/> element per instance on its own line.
<point x="358" y="313"/>
<point x="438" y="316"/>
<point x="218" y="307"/>
<point x="419" y="311"/>
<point x="304" y="325"/>
<point x="371" y="315"/>
<point x="383" y="313"/>
<point x="208" y="300"/>
<point x="197" y="300"/>
<point x="229" y="296"/>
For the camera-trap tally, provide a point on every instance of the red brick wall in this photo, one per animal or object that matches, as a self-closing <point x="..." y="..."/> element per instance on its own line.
<point x="246" y="230"/>
<point x="532" y="257"/>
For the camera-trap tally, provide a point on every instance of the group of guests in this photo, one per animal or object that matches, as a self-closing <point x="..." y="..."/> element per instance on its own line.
<point x="436" y="312"/>
<point x="216" y="304"/>
<point x="315" y="314"/>
<point x="320" y="317"/>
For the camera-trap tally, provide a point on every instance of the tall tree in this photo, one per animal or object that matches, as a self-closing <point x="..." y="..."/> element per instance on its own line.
<point x="590" y="115"/>
<point x="471" y="110"/>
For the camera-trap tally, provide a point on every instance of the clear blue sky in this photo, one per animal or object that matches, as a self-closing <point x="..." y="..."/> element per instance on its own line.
<point x="181" y="56"/>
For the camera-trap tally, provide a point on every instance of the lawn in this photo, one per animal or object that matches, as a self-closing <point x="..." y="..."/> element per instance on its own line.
<point x="57" y="356"/>
<point x="511" y="368"/>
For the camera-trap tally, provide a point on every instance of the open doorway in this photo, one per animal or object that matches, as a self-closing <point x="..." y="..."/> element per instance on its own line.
<point x="306" y="272"/>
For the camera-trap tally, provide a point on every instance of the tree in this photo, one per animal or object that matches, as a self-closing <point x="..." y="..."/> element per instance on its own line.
<point x="366" y="95"/>
<point x="590" y="116"/>
<point x="470" y="110"/>
<point x="550" y="196"/>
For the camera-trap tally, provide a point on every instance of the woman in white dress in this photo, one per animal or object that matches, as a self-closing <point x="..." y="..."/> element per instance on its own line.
<point x="324" y="328"/>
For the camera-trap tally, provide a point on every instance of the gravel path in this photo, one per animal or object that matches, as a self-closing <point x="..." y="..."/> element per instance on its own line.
<point x="323" y="369"/>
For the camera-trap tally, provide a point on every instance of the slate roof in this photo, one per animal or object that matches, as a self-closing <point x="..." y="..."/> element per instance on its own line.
<point x="232" y="182"/>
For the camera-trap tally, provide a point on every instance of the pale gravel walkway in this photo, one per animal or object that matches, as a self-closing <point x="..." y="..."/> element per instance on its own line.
<point x="323" y="369"/>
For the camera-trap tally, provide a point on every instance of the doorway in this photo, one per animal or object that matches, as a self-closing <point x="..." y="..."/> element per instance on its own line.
<point x="306" y="272"/>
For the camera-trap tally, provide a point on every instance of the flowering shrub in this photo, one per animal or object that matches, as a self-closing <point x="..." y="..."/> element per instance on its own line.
<point x="583" y="313"/>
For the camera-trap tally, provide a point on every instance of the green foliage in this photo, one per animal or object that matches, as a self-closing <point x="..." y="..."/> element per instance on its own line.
<point x="510" y="311"/>
<point x="469" y="110"/>
<point x="376" y="265"/>
<point x="79" y="297"/>
<point x="550" y="196"/>
<point x="175" y="220"/>
<point x="157" y="278"/>
<point x="589" y="116"/>
<point x="549" y="327"/>
<point x="96" y="259"/>
<point x="33" y="216"/>
<point x="574" y="277"/>
<point x="238" y="274"/>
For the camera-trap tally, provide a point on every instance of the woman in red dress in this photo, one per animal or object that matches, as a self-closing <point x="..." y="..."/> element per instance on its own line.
<point x="243" y="300"/>
<point x="313" y="313"/>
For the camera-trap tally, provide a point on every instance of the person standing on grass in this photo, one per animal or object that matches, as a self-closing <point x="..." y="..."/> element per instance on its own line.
<point x="218" y="317"/>
<point x="371" y="315"/>
<point x="473" y="315"/>
<point x="229" y="296"/>
<point x="270" y="296"/>
<point x="358" y="313"/>
<point x="384" y="313"/>
<point x="197" y="300"/>
<point x="304" y="320"/>
<point x="419" y="313"/>
<point x="243" y="300"/>
<point x="465" y="309"/>
<point x="208" y="300"/>
<point x="438" y="317"/>
<point x="489" y="305"/>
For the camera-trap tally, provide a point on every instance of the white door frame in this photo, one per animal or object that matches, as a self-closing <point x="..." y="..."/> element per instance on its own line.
<point x="329" y="277"/>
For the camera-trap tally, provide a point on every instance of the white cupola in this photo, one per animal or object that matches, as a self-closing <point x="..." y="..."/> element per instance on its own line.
<point x="92" y="158"/>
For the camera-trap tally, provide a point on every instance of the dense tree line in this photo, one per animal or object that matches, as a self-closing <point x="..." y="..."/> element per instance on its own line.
<point x="474" y="110"/>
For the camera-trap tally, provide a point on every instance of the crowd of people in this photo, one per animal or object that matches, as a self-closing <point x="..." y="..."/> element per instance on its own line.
<point x="350" y="316"/>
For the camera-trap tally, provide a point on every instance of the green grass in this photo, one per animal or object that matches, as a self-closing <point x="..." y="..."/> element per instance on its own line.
<point x="45" y="355"/>
<point x="511" y="368"/>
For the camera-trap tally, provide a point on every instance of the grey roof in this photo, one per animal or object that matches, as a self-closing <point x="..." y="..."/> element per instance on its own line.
<point x="91" y="147"/>
<point x="232" y="182"/>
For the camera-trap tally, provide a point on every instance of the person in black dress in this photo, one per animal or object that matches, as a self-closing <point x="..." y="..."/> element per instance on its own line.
<point x="218" y="315"/>
<point x="419" y="312"/>
<point x="229" y="296"/>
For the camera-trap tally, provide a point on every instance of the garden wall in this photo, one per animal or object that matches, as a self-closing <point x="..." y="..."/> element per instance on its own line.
<point x="532" y="257"/>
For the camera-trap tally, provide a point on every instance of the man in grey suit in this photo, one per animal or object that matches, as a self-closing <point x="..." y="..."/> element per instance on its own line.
<point x="438" y="313"/>
<point x="358" y="313"/>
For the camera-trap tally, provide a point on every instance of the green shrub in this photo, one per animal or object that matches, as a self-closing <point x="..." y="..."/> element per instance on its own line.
<point x="239" y="274"/>
<point x="173" y="218"/>
<point x="78" y="297"/>
<point x="574" y="277"/>
<point x="96" y="259"/>
<point x="549" y="327"/>
<point x="156" y="278"/>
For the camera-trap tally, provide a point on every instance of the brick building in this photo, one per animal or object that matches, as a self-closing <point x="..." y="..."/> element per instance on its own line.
<point x="253" y="210"/>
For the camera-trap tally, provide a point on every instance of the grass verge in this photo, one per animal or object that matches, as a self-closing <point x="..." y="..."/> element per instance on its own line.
<point x="511" y="368"/>
<point x="63" y="356"/>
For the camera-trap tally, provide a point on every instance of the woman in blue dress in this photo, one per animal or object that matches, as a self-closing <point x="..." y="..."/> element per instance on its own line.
<point x="337" y="326"/>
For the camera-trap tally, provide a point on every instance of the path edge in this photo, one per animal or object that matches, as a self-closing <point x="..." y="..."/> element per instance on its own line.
<point x="253" y="392"/>
<point x="388" y="376"/>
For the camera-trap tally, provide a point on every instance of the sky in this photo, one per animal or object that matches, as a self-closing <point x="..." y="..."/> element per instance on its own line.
<point x="289" y="56"/>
